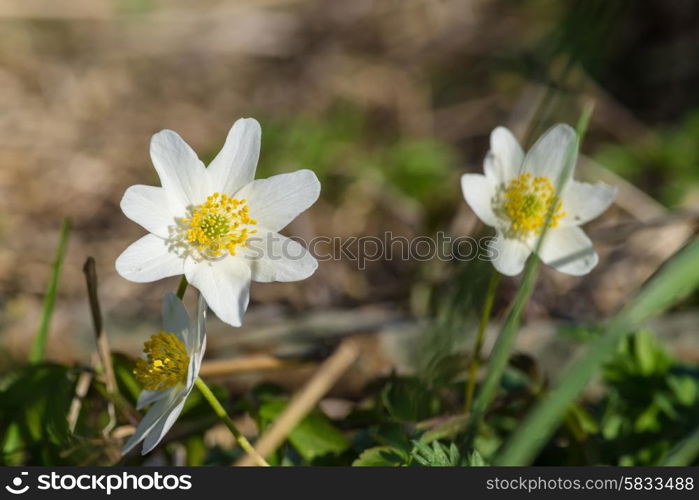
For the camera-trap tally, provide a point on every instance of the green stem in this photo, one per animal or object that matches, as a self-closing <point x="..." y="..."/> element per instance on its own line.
<point x="182" y="287"/>
<point x="221" y="412"/>
<point x="476" y="354"/>
<point x="39" y="346"/>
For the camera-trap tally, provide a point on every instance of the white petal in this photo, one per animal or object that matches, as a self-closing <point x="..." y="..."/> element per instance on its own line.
<point x="276" y="201"/>
<point x="234" y="166"/>
<point x="163" y="425"/>
<point x="509" y="255"/>
<point x="225" y="285"/>
<point x="149" y="207"/>
<point x="479" y="191"/>
<point x="583" y="202"/>
<point x="149" y="397"/>
<point x="151" y="418"/>
<point x="504" y="160"/>
<point x="273" y="257"/>
<point x="181" y="172"/>
<point x="555" y="151"/>
<point x="568" y="250"/>
<point x="176" y="319"/>
<point x="148" y="259"/>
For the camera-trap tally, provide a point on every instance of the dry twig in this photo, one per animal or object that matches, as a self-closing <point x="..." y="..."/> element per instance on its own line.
<point x="306" y="399"/>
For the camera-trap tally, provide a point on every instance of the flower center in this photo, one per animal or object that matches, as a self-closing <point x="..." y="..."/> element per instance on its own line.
<point x="166" y="363"/>
<point x="219" y="225"/>
<point x="527" y="201"/>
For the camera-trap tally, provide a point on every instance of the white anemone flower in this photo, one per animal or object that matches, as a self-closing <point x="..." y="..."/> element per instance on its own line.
<point x="517" y="192"/>
<point x="167" y="371"/>
<point x="217" y="225"/>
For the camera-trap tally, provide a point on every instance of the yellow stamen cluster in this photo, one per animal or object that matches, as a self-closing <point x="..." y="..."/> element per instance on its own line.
<point x="219" y="225"/>
<point x="527" y="201"/>
<point x="166" y="362"/>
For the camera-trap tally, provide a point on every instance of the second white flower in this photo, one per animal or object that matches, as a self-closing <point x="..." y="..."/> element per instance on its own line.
<point x="517" y="195"/>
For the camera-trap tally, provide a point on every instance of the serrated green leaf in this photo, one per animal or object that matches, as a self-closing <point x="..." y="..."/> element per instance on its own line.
<point x="381" y="456"/>
<point x="440" y="456"/>
<point x="454" y="453"/>
<point x="437" y="455"/>
<point x="408" y="400"/>
<point x="476" y="460"/>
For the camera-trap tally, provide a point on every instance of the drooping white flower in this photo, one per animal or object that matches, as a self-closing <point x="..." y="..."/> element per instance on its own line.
<point x="217" y="225"/>
<point x="517" y="192"/>
<point x="168" y="369"/>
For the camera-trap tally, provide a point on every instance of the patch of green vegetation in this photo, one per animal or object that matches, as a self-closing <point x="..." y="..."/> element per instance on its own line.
<point x="665" y="164"/>
<point x="345" y="147"/>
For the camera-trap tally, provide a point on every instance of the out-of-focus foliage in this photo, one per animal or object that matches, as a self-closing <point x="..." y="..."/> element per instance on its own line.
<point x="671" y="155"/>
<point x="417" y="169"/>
<point x="653" y="401"/>
<point x="35" y="403"/>
<point x="650" y="403"/>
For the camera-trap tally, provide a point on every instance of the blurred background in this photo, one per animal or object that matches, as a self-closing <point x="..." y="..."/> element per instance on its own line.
<point x="389" y="102"/>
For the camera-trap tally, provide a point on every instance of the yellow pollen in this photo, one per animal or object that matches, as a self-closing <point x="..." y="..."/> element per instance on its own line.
<point x="166" y="362"/>
<point x="527" y="202"/>
<point x="219" y="225"/>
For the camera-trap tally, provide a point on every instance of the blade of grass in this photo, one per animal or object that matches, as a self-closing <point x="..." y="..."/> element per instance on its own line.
<point x="685" y="452"/>
<point x="475" y="362"/>
<point x="39" y="346"/>
<point x="677" y="278"/>
<point x="501" y="352"/>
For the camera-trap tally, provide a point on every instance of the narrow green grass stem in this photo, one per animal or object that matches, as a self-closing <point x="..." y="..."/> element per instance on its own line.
<point x="39" y="346"/>
<point x="221" y="412"/>
<point x="218" y="407"/>
<point x="685" y="452"/>
<point x="182" y="287"/>
<point x="482" y="327"/>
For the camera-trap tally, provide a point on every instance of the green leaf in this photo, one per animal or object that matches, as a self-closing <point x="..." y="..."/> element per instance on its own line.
<point x="437" y="455"/>
<point x="476" y="460"/>
<point x="684" y="388"/>
<point x="381" y="456"/>
<point x="647" y="421"/>
<point x="35" y="405"/>
<point x="12" y="446"/>
<point x="408" y="400"/>
<point x="611" y="426"/>
<point x="314" y="437"/>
